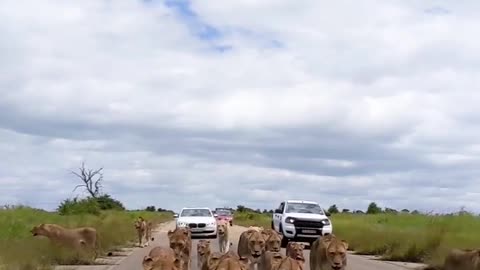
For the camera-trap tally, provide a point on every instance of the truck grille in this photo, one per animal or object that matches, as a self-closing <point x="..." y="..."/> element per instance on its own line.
<point x="307" y="224"/>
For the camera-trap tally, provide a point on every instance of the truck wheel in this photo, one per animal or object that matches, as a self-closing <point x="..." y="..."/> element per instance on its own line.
<point x="284" y="242"/>
<point x="273" y="228"/>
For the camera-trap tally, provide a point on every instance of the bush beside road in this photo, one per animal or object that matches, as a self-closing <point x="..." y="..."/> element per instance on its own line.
<point x="397" y="237"/>
<point x="20" y="250"/>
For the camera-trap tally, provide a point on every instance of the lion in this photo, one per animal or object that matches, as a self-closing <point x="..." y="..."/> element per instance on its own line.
<point x="251" y="245"/>
<point x="203" y="250"/>
<point x="295" y="250"/>
<point x="460" y="259"/>
<point x="273" y="240"/>
<point x="213" y="259"/>
<point x="160" y="252"/>
<point x="270" y="260"/>
<point x="233" y="263"/>
<point x="80" y="239"/>
<point x="144" y="230"/>
<point x="289" y="263"/>
<point x="328" y="253"/>
<point x="166" y="261"/>
<point x="223" y="232"/>
<point x="180" y="240"/>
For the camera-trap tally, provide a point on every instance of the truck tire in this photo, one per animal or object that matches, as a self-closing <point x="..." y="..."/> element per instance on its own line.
<point x="284" y="242"/>
<point x="273" y="228"/>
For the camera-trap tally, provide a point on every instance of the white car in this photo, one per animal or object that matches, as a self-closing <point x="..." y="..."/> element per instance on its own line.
<point x="301" y="221"/>
<point x="200" y="220"/>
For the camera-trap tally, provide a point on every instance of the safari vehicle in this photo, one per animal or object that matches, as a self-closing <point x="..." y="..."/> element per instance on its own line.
<point x="300" y="221"/>
<point x="201" y="221"/>
<point x="225" y="214"/>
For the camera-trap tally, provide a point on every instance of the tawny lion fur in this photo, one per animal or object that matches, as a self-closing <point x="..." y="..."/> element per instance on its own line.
<point x="327" y="253"/>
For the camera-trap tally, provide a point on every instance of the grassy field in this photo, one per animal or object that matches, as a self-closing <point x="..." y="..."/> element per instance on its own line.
<point x="20" y="250"/>
<point x="402" y="237"/>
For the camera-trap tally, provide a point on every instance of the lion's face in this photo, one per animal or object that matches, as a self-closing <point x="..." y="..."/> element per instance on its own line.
<point x="162" y="263"/>
<point x="296" y="249"/>
<point x="274" y="242"/>
<point x="214" y="259"/>
<point x="337" y="254"/>
<point x="221" y="228"/>
<point x="178" y="240"/>
<point x="203" y="247"/>
<point x="41" y="229"/>
<point x="139" y="223"/>
<point x="256" y="243"/>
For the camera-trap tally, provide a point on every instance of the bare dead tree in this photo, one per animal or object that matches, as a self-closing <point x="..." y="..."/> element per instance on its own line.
<point x="92" y="180"/>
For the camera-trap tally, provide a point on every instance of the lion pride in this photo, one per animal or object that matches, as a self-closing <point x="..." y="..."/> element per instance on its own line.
<point x="251" y="245"/>
<point x="328" y="253"/>
<point x="460" y="259"/>
<point x="81" y="239"/>
<point x="180" y="240"/>
<point x="144" y="230"/>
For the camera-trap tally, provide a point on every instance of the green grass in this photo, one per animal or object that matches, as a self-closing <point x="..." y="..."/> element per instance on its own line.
<point x="400" y="237"/>
<point x="20" y="250"/>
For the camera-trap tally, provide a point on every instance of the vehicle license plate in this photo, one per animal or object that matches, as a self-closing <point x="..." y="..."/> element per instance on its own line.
<point x="309" y="231"/>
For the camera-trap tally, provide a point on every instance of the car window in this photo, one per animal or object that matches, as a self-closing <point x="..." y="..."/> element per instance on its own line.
<point x="281" y="207"/>
<point x="309" y="208"/>
<point x="196" y="213"/>
<point x="224" y="213"/>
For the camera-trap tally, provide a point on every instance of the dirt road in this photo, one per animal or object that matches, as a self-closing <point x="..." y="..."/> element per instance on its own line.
<point x="355" y="262"/>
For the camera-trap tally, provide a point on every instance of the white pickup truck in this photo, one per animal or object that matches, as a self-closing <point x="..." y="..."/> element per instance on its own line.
<point x="301" y="221"/>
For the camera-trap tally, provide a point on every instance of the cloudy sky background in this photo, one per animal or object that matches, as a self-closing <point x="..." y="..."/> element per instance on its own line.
<point x="216" y="102"/>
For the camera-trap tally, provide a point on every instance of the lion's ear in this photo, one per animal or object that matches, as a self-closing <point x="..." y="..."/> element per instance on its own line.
<point x="345" y="244"/>
<point x="147" y="262"/>
<point x="302" y="245"/>
<point x="265" y="235"/>
<point x="169" y="233"/>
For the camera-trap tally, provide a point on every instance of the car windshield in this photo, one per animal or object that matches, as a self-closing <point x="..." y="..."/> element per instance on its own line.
<point x="223" y="212"/>
<point x="309" y="208"/>
<point x="196" y="213"/>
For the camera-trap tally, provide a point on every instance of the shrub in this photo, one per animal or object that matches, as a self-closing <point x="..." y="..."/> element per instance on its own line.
<point x="77" y="207"/>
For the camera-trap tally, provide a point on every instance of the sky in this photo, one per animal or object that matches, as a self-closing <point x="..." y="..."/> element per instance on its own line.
<point x="214" y="103"/>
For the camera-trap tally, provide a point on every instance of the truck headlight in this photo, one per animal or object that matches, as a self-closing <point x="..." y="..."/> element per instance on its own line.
<point x="326" y="222"/>
<point x="289" y="220"/>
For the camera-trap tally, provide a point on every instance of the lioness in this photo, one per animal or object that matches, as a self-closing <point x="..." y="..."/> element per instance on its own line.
<point x="295" y="250"/>
<point x="181" y="242"/>
<point x="273" y="240"/>
<point x="81" y="239"/>
<point x="223" y="241"/>
<point x="167" y="262"/>
<point x="233" y="263"/>
<point x="289" y="263"/>
<point x="270" y="260"/>
<point x="460" y="259"/>
<point x="328" y="253"/>
<point x="203" y="250"/>
<point x="251" y="245"/>
<point x="212" y="260"/>
<point x="144" y="230"/>
<point x="160" y="252"/>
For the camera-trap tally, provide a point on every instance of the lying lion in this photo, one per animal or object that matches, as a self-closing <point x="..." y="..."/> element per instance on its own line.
<point x="144" y="231"/>
<point x="80" y="239"/>
<point x="460" y="259"/>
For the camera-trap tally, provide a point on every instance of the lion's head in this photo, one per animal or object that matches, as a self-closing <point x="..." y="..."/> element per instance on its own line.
<point x="295" y="251"/>
<point x="214" y="259"/>
<point x="179" y="240"/>
<point x="203" y="247"/>
<point x="162" y="263"/>
<point x="43" y="230"/>
<point x="256" y="242"/>
<point x="273" y="242"/>
<point x="222" y="228"/>
<point x="337" y="253"/>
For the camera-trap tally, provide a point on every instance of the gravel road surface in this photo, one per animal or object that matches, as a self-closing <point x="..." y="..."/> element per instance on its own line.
<point x="355" y="262"/>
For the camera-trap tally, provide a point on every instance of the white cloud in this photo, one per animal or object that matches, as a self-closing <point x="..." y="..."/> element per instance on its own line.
<point x="348" y="102"/>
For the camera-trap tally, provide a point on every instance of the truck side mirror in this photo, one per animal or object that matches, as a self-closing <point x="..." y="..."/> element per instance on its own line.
<point x="327" y="214"/>
<point x="278" y="211"/>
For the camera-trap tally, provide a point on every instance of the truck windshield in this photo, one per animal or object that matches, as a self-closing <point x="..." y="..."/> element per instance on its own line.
<point x="308" y="208"/>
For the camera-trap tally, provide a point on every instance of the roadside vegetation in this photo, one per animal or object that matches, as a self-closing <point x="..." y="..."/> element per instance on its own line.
<point x="114" y="224"/>
<point x="394" y="235"/>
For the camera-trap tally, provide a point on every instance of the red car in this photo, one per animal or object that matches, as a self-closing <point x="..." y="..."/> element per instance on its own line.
<point x="224" y="214"/>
